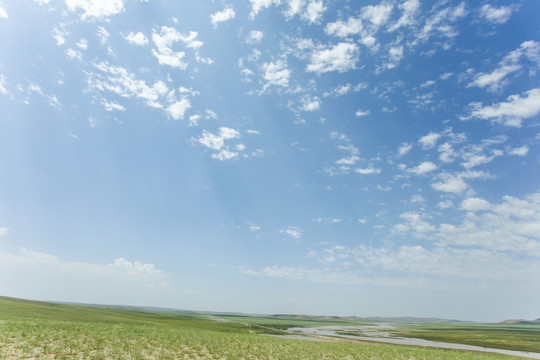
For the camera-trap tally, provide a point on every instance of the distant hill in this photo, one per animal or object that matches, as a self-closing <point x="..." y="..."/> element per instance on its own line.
<point x="407" y="319"/>
<point x="520" y="321"/>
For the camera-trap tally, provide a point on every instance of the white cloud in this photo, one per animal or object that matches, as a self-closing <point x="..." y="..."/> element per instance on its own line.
<point x="137" y="39"/>
<point x="82" y="44"/>
<point x="341" y="57"/>
<point x="450" y="183"/>
<point x="512" y="62"/>
<point x="368" y="41"/>
<point x="3" y="89"/>
<point x="73" y="54"/>
<point x="311" y="103"/>
<point x="473" y="159"/>
<point x="361" y="113"/>
<point x="135" y="268"/>
<point x="103" y="35"/>
<point x="410" y="9"/>
<point x="222" y="16"/>
<point x="510" y="226"/>
<point x="165" y="39"/>
<point x="377" y="15"/>
<point x="276" y="73"/>
<point x="475" y="204"/>
<point x="96" y="8"/>
<point x="442" y="21"/>
<point x="520" y="151"/>
<point x="119" y="81"/>
<point x="255" y="36"/>
<point x="313" y="11"/>
<point x="446" y="204"/>
<point x="395" y="54"/>
<point x="59" y="34"/>
<point x="367" y="171"/>
<point x="225" y="155"/>
<point x="428" y="141"/>
<point x="216" y="142"/>
<point x="510" y="113"/>
<point x="3" y="231"/>
<point x="404" y="149"/>
<point x="3" y="12"/>
<point x="122" y="281"/>
<point x="292" y="231"/>
<point x="177" y="109"/>
<point x="447" y="152"/>
<point x="341" y="28"/>
<point x="258" y="5"/>
<point x="423" y="168"/>
<point x="295" y="7"/>
<point x="111" y="106"/>
<point x="350" y="160"/>
<point x="497" y="15"/>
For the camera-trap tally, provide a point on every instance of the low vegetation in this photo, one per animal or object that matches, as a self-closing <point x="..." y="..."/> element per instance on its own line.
<point x="520" y="337"/>
<point x="36" y="330"/>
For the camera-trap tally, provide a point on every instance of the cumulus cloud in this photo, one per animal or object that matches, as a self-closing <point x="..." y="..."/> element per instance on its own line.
<point x="276" y="73"/>
<point x="217" y="142"/>
<point x="475" y="204"/>
<point x="377" y="15"/>
<point x="442" y="22"/>
<point x="294" y="7"/>
<point x="165" y="39"/>
<point x="395" y="54"/>
<point x="222" y="16"/>
<point x="410" y="9"/>
<point x="423" y="168"/>
<point x="513" y="225"/>
<point x="118" y="80"/>
<point x="520" y="151"/>
<point x="404" y="149"/>
<point x="96" y="8"/>
<point x="367" y="171"/>
<point x="310" y="103"/>
<point x="428" y="141"/>
<point x="111" y="106"/>
<point x="340" y="57"/>
<point x="3" y="12"/>
<point x="313" y="11"/>
<point x="497" y="15"/>
<point x="450" y="183"/>
<point x="361" y="113"/>
<point x="137" y="39"/>
<point x="512" y="112"/>
<point x="292" y="231"/>
<point x="342" y="28"/>
<point x="511" y="63"/>
<point x="255" y="36"/>
<point x="135" y="268"/>
<point x="177" y="109"/>
<point x="258" y="5"/>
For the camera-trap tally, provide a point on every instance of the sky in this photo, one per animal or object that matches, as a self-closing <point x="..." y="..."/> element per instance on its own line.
<point x="324" y="157"/>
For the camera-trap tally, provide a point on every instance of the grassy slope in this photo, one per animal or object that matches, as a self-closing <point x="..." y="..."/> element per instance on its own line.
<point x="39" y="330"/>
<point x="520" y="337"/>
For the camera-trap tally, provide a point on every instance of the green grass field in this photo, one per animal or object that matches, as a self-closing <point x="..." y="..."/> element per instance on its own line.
<point x="520" y="337"/>
<point x="36" y="330"/>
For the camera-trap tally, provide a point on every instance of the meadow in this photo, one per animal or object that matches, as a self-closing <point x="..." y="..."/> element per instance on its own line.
<point x="38" y="330"/>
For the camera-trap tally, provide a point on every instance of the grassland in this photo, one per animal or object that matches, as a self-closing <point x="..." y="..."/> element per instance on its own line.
<point x="36" y="330"/>
<point x="520" y="337"/>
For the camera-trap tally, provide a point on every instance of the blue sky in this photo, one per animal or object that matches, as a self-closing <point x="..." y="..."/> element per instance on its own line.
<point x="266" y="156"/>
